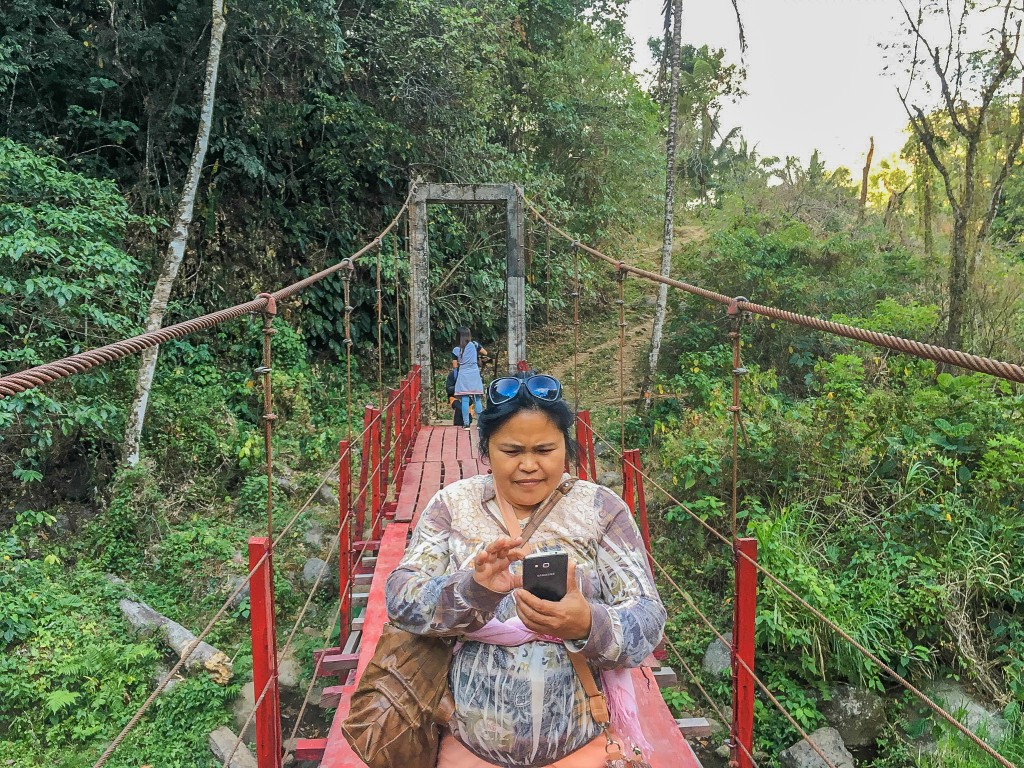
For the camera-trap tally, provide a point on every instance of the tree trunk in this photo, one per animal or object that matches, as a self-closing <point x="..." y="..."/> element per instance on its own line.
<point x="177" y="638"/>
<point x="864" y="180"/>
<point x="670" y="205"/>
<point x="176" y="247"/>
<point x="959" y="283"/>
<point x="927" y="206"/>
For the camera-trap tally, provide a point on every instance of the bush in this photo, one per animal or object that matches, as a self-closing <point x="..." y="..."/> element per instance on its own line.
<point x="66" y="285"/>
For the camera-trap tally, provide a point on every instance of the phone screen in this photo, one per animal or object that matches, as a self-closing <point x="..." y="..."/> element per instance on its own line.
<point x="545" y="574"/>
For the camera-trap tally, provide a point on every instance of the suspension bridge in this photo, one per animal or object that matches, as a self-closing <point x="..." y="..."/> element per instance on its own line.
<point x="389" y="470"/>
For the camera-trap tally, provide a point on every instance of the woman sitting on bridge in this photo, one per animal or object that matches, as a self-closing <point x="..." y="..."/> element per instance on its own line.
<point x="518" y="701"/>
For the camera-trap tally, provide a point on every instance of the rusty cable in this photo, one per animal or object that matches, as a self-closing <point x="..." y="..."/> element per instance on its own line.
<point x="621" y="301"/>
<point x="576" y="327"/>
<point x="316" y="676"/>
<point x="346" y="278"/>
<point x="398" y="313"/>
<point x="922" y="697"/>
<point x="187" y="654"/>
<point x="738" y="371"/>
<point x="738" y="660"/>
<point x="707" y="696"/>
<point x="248" y="720"/>
<point x="380" y="331"/>
<point x="547" y="272"/>
<point x="991" y="366"/>
<point x="39" y="375"/>
<point x="268" y="417"/>
<point x="316" y="583"/>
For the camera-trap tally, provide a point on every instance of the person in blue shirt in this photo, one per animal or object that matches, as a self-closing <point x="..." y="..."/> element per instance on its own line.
<point x="468" y="383"/>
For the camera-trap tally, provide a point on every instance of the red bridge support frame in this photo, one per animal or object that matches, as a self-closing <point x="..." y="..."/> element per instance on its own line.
<point x="346" y="567"/>
<point x="585" y="462"/>
<point x="264" y="654"/>
<point x="743" y="690"/>
<point x="633" y="483"/>
<point x="376" y="478"/>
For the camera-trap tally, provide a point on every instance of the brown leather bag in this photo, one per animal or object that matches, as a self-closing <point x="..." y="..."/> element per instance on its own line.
<point x="402" y="700"/>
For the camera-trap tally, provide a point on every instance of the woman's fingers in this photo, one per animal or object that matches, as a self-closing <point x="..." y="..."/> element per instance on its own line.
<point x="536" y="604"/>
<point x="571" y="585"/>
<point x="529" y="616"/>
<point x="500" y="547"/>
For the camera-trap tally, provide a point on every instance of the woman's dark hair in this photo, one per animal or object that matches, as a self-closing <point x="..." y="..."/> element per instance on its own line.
<point x="463" y="337"/>
<point x="494" y="416"/>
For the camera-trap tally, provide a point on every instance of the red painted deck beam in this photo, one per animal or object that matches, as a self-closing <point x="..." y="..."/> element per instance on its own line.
<point x="338" y="753"/>
<point x="744" y="612"/>
<point x="264" y="654"/>
<point x="310" y="749"/>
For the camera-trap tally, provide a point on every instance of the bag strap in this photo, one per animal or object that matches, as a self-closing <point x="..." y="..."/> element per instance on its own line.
<point x="596" y="699"/>
<point x="598" y="703"/>
<point x="512" y="522"/>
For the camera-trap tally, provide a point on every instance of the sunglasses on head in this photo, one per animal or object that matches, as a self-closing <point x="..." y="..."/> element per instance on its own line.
<point x="541" y="387"/>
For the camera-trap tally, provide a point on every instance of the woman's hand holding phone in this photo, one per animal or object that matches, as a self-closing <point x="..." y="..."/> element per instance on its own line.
<point x="491" y="566"/>
<point x="567" y="619"/>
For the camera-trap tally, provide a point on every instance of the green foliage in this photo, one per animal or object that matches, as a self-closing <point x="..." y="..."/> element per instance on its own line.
<point x="67" y="286"/>
<point x="130" y="519"/>
<point x="69" y="675"/>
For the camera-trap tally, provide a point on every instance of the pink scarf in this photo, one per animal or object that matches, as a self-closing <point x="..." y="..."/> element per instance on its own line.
<point x="617" y="683"/>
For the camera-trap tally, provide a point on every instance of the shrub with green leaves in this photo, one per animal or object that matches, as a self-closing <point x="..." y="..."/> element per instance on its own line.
<point x="66" y="285"/>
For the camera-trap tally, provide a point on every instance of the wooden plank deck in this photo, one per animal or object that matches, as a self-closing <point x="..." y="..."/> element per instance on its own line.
<point x="439" y="457"/>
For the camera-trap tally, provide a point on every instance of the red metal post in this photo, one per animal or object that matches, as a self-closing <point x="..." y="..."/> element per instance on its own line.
<point x="589" y="435"/>
<point x="628" y="481"/>
<point x="376" y="500"/>
<point x="744" y="611"/>
<point x="345" y="563"/>
<point x="264" y="654"/>
<point x="582" y="461"/>
<point x="641" y="503"/>
<point x="364" y="469"/>
<point x="417" y="388"/>
<point x="390" y="438"/>
<point x="412" y="418"/>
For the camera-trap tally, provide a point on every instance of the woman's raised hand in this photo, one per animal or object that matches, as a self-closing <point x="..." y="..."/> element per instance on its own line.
<point x="568" y="618"/>
<point x="491" y="566"/>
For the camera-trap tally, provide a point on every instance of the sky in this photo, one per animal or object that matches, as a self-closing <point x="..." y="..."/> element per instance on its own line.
<point x="815" y="76"/>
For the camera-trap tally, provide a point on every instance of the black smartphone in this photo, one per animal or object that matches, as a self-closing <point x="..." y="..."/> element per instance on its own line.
<point x="545" y="575"/>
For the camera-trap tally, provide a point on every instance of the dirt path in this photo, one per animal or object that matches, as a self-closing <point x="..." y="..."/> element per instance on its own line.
<point x="597" y="356"/>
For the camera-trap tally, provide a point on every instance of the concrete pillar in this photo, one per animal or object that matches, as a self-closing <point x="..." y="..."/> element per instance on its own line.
<point x="515" y="261"/>
<point x="419" y="288"/>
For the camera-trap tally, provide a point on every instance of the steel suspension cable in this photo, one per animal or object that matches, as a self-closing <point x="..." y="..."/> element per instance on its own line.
<point x="919" y="695"/>
<point x="991" y="366"/>
<point x="398" y="313"/>
<point x="191" y="648"/>
<point x="576" y="327"/>
<point x="39" y="375"/>
<point x="380" y="334"/>
<point x="621" y="301"/>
